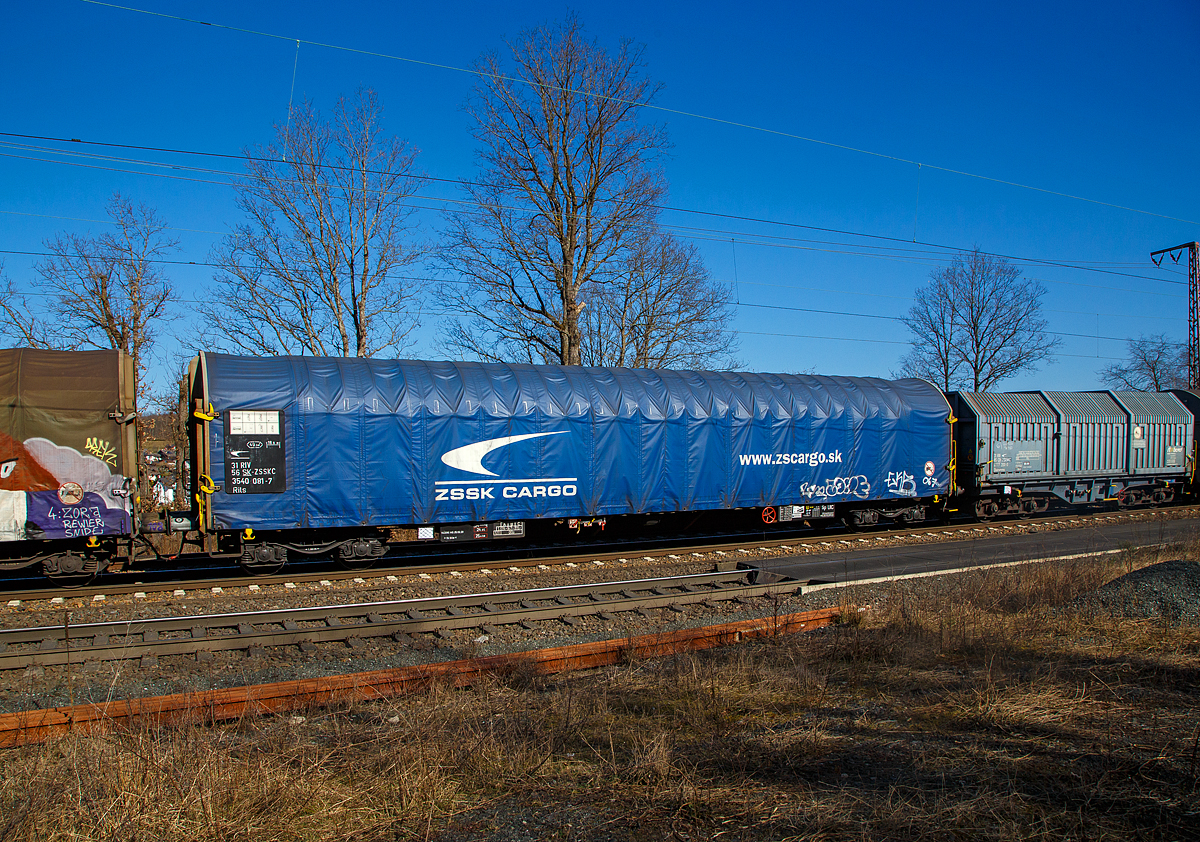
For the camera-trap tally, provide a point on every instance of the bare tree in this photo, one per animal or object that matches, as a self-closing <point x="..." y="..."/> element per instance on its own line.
<point x="107" y="291"/>
<point x="977" y="323"/>
<point x="663" y="310"/>
<point x="933" y="321"/>
<point x="1155" y="363"/>
<point x="20" y="323"/>
<point x="316" y="269"/>
<point x="569" y="181"/>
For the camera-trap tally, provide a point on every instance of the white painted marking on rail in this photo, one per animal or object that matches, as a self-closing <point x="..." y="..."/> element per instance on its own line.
<point x="360" y="581"/>
<point x="456" y="574"/>
<point x="598" y="563"/>
<point x="514" y="570"/>
<point x="393" y="579"/>
<point x="253" y="589"/>
<point x="325" y="583"/>
<point x="290" y="585"/>
<point x="218" y="590"/>
<point x="543" y="567"/>
<point x="572" y="564"/>
<point x="485" y="571"/>
<point x="97" y="598"/>
<point x="184" y="593"/>
<point x="674" y="557"/>
<point x="720" y="552"/>
<point x="140" y="595"/>
<point x="424" y="576"/>
<point x="58" y="600"/>
<point x="14" y="603"/>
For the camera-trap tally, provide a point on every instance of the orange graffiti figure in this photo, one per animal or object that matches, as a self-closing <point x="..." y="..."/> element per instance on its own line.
<point x="19" y="471"/>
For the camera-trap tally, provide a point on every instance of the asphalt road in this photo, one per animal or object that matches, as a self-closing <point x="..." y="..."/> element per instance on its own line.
<point x="981" y="549"/>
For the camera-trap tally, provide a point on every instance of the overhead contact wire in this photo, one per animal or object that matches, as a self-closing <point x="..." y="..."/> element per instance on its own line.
<point x="646" y="105"/>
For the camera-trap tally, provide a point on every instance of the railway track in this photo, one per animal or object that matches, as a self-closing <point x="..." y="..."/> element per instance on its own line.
<point x="408" y="622"/>
<point x="34" y="726"/>
<point x="810" y="542"/>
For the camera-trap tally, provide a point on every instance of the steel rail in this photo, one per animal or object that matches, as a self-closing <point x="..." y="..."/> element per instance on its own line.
<point x="398" y="618"/>
<point x="583" y="555"/>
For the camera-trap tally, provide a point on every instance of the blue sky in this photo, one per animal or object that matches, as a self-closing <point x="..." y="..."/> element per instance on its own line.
<point x="1091" y="100"/>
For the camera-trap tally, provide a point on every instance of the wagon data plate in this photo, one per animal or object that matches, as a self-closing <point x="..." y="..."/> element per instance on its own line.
<point x="254" y="452"/>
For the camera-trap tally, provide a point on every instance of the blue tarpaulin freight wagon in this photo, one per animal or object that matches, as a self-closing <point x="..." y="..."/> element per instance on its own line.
<point x="310" y="442"/>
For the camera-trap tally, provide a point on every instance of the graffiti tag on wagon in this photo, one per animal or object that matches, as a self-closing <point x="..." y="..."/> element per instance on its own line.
<point x="902" y="483"/>
<point x="856" y="486"/>
<point x="78" y="521"/>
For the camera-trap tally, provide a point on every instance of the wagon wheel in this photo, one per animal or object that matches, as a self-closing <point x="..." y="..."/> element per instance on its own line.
<point x="769" y="514"/>
<point x="71" y="570"/>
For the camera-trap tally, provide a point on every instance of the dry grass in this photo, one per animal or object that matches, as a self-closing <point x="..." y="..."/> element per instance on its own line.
<point x="977" y="706"/>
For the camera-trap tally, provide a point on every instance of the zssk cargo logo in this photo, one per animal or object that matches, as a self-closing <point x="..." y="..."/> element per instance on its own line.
<point x="470" y="457"/>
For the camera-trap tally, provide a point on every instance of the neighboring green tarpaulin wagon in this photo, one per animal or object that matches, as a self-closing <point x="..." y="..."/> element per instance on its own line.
<point x="68" y="457"/>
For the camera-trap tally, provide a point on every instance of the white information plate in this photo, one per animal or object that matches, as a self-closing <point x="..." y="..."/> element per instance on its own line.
<point x="253" y="422"/>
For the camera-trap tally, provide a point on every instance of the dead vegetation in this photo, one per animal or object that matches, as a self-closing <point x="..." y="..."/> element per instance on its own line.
<point x="979" y="706"/>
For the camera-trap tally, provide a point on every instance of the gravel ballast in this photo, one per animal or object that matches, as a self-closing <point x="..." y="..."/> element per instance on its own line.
<point x="1168" y="591"/>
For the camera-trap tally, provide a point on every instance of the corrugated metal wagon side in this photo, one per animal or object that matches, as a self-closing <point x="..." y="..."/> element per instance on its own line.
<point x="1077" y="447"/>
<point x="1160" y="434"/>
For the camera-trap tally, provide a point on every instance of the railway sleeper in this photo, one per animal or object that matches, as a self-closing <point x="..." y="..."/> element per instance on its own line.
<point x="194" y="636"/>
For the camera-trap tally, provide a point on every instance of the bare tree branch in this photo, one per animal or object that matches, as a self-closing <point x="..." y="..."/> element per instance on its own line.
<point x="21" y="324"/>
<point x="1155" y="364"/>
<point x="663" y="311"/>
<point x="102" y="292"/>
<point x="569" y="181"/>
<point x="316" y="268"/>
<point x="933" y="323"/>
<point x="976" y="324"/>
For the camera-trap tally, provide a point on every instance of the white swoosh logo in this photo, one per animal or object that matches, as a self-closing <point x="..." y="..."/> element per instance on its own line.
<point x="470" y="457"/>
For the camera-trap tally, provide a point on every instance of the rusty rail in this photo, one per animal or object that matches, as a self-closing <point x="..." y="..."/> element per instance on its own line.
<point x="35" y="726"/>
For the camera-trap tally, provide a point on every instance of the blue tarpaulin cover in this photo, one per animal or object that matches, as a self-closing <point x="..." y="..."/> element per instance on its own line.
<point x="336" y="442"/>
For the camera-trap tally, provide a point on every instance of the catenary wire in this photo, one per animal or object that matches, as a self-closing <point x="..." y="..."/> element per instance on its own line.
<point x="444" y="200"/>
<point x="646" y="105"/>
<point x="903" y="243"/>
